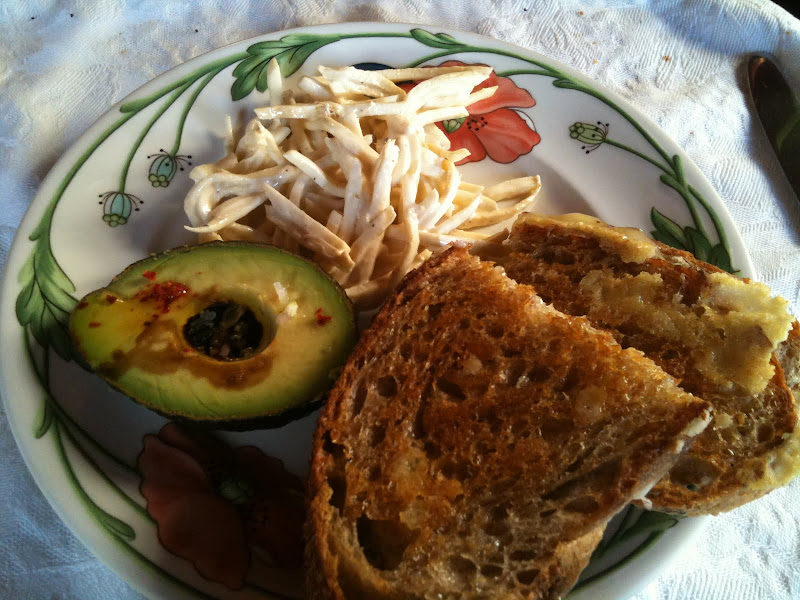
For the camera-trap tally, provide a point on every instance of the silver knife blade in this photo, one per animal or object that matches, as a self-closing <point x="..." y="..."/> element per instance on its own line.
<point x="778" y="110"/>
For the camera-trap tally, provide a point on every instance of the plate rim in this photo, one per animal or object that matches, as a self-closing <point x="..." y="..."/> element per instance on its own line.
<point x="68" y="510"/>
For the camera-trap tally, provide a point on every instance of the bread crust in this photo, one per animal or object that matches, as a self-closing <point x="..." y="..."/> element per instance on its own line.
<point x="478" y="441"/>
<point x="578" y="264"/>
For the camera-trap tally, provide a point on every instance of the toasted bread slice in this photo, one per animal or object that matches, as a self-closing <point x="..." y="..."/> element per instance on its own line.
<point x="712" y="331"/>
<point x="478" y="440"/>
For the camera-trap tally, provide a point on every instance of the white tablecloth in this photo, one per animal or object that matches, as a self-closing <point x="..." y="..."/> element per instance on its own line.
<point x="63" y="64"/>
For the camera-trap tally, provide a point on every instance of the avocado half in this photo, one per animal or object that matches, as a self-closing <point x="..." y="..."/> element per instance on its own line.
<point x="232" y="334"/>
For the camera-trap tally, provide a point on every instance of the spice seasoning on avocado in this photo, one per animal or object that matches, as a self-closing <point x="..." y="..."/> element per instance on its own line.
<point x="149" y="275"/>
<point x="163" y="294"/>
<point x="321" y="318"/>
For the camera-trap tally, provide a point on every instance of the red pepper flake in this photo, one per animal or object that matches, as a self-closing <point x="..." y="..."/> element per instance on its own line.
<point x="82" y="305"/>
<point x="149" y="275"/>
<point x="111" y="299"/>
<point x="163" y="294"/>
<point x="322" y="319"/>
<point x="667" y="58"/>
<point x="580" y="12"/>
<point x="94" y="324"/>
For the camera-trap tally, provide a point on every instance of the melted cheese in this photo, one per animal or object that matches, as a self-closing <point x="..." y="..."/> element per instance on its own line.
<point x="631" y="244"/>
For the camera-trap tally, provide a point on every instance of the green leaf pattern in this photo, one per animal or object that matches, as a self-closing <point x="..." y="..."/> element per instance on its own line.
<point x="436" y="40"/>
<point x="291" y="51"/>
<point x="45" y="302"/>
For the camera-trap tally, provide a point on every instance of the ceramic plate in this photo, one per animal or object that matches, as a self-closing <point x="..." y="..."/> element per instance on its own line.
<point x="116" y="196"/>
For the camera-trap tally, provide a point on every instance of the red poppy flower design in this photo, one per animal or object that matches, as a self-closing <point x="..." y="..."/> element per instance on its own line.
<point x="212" y="503"/>
<point x="492" y="127"/>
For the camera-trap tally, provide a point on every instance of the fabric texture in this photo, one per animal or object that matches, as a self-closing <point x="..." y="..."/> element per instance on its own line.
<point x="63" y="64"/>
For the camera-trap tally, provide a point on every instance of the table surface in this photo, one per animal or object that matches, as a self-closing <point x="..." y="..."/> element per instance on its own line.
<point x="62" y="64"/>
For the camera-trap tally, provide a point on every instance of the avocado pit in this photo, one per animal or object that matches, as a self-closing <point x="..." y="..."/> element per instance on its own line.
<point x="226" y="330"/>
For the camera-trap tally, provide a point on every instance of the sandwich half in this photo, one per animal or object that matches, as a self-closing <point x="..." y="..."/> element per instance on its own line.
<point x="478" y="441"/>
<point x="722" y="337"/>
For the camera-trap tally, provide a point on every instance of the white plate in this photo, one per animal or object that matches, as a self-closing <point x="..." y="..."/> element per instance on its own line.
<point x="81" y="440"/>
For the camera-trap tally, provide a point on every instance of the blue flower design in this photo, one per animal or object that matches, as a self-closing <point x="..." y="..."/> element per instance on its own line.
<point x="117" y="207"/>
<point x="164" y="167"/>
<point x="590" y="134"/>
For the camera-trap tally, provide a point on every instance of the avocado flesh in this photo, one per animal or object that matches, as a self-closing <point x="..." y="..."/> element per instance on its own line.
<point x="131" y="332"/>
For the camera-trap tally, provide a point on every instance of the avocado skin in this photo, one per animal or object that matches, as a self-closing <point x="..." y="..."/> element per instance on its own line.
<point x="250" y="424"/>
<point x="268" y="417"/>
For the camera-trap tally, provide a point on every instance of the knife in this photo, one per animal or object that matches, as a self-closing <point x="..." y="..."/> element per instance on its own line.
<point x="779" y="112"/>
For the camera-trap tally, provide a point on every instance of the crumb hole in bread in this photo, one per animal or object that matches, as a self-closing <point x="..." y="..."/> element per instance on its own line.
<point x="670" y="354"/>
<point x="481" y="448"/>
<point x="552" y="427"/>
<point x="374" y="473"/>
<point x="699" y="310"/>
<point x="338" y="491"/>
<point x="569" y="381"/>
<point x="539" y="374"/>
<point x="584" y="505"/>
<point x="511" y="352"/>
<point x="528" y="576"/>
<point x="463" y="324"/>
<point x="765" y="432"/>
<point x="495" y="330"/>
<point x="359" y="397"/>
<point x="558" y="255"/>
<point x="497" y="528"/>
<point x="406" y="350"/>
<point x="432" y="451"/>
<point x="515" y="374"/>
<point x="331" y="447"/>
<point x="518" y="555"/>
<point x="462" y="569"/>
<point x="628" y="329"/>
<point x="386" y="386"/>
<point x="453" y="390"/>
<point x="376" y="434"/>
<point x="455" y="470"/>
<point x="435" y="309"/>
<point x="546" y="513"/>
<point x="500" y="512"/>
<point x="575" y="465"/>
<point x="383" y="542"/>
<point x="494" y="422"/>
<point x="691" y="470"/>
<point x="418" y="424"/>
<point x="491" y="571"/>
